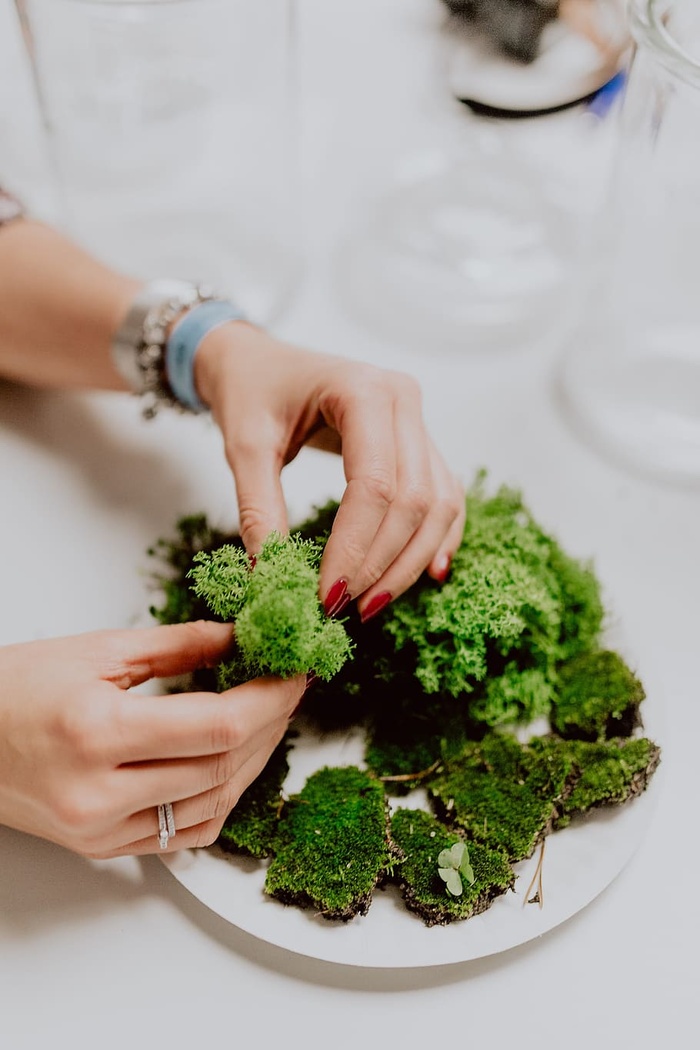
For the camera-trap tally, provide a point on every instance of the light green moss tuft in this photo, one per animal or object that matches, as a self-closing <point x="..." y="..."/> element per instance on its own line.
<point x="513" y="604"/>
<point x="281" y="628"/>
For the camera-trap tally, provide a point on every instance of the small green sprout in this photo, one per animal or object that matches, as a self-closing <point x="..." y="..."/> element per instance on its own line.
<point x="453" y="866"/>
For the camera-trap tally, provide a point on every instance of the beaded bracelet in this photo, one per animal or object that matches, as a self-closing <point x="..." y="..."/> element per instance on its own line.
<point x="139" y="346"/>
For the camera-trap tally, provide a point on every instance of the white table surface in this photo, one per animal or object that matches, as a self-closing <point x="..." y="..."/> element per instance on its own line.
<point x="116" y="953"/>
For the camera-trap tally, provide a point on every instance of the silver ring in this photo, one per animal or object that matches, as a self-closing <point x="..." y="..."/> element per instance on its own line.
<point x="166" y="824"/>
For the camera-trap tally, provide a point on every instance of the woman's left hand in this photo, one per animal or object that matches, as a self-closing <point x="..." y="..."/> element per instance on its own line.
<point x="402" y="511"/>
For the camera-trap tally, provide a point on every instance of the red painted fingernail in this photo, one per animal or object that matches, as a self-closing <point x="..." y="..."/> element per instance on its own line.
<point x="253" y="561"/>
<point x="341" y="605"/>
<point x="379" y="602"/>
<point x="444" y="570"/>
<point x="337" y="597"/>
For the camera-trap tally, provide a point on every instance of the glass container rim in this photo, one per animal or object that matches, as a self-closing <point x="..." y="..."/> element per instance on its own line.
<point x="649" y="29"/>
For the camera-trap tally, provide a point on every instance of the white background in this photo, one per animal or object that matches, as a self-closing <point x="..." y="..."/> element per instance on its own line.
<point x="117" y="954"/>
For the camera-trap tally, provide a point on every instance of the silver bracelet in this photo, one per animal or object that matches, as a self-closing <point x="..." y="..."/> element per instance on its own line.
<point x="139" y="346"/>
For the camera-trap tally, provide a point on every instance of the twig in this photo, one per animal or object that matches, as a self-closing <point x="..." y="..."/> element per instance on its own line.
<point x="413" y="776"/>
<point x="538" y="897"/>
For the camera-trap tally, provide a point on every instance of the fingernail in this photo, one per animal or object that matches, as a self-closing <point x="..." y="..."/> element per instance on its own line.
<point x="253" y="561"/>
<point x="337" y="597"/>
<point x="379" y="602"/>
<point x="310" y="679"/>
<point x="443" y="570"/>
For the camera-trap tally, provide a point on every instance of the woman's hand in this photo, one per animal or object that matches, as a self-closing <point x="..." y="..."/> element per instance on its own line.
<point x="402" y="511"/>
<point x="85" y="763"/>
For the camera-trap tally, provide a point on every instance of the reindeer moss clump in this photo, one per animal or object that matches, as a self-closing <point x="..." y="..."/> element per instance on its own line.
<point x="251" y="827"/>
<point x="514" y="607"/>
<point x="500" y="794"/>
<point x="598" y="698"/>
<point x="281" y="628"/>
<point x="421" y="838"/>
<point x="333" y="844"/>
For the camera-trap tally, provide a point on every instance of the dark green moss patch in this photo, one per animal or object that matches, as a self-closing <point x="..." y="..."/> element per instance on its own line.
<point x="333" y="844"/>
<point x="610" y="774"/>
<point x="251" y="828"/>
<point x="502" y="795"/>
<point x="421" y="838"/>
<point x="411" y="735"/>
<point x="598" y="698"/>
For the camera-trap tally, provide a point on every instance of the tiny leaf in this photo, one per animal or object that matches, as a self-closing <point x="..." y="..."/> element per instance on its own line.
<point x="454" y="883"/>
<point x="445" y="859"/>
<point x="466" y="870"/>
<point x="457" y="852"/>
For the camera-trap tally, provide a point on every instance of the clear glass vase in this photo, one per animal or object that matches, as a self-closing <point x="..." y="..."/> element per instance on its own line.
<point x="472" y="241"/>
<point x="630" y="382"/>
<point x="171" y="124"/>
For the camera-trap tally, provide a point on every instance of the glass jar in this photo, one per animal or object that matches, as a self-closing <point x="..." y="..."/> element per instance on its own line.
<point x="171" y="126"/>
<point x="631" y="379"/>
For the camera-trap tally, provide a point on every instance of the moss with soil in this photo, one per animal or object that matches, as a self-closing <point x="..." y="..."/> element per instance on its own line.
<point x="251" y="827"/>
<point x="422" y="837"/>
<point x="514" y="635"/>
<point x="498" y="795"/>
<point x="598" y="697"/>
<point x="333" y="844"/>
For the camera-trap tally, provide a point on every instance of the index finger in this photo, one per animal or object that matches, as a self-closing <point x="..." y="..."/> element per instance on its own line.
<point x="369" y="459"/>
<point x="187" y="725"/>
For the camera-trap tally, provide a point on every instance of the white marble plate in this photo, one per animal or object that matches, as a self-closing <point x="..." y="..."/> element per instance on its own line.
<point x="579" y="862"/>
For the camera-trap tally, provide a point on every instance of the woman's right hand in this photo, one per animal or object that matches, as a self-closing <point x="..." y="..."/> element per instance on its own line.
<point x="85" y="763"/>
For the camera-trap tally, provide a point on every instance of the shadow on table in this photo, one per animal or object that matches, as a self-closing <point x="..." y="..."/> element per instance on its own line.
<point x="42" y="884"/>
<point x="123" y="459"/>
<point x="320" y="972"/>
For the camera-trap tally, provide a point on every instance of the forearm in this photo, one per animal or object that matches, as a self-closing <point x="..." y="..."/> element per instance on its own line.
<point x="59" y="309"/>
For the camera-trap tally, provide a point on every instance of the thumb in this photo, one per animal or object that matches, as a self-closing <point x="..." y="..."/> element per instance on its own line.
<point x="128" y="658"/>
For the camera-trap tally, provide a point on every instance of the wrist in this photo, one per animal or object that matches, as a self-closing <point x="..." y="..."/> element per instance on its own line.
<point x="155" y="346"/>
<point x="219" y="353"/>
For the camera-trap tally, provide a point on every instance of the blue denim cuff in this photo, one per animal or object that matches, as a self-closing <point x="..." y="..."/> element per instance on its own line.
<point x="184" y="342"/>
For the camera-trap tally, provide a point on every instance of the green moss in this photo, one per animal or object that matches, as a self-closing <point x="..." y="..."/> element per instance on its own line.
<point x="598" y="698"/>
<point x="251" y="828"/>
<point x="513" y="603"/>
<point x="410" y="733"/>
<point x="511" y="636"/>
<point x="333" y="844"/>
<point x="175" y="556"/>
<point x="609" y="773"/>
<point x="281" y="628"/>
<point x="501" y="795"/>
<point x="515" y="696"/>
<point x="421" y="838"/>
